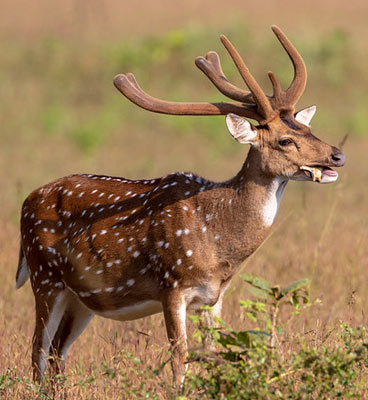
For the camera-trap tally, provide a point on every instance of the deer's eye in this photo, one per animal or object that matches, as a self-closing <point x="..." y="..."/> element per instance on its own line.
<point x="285" y="142"/>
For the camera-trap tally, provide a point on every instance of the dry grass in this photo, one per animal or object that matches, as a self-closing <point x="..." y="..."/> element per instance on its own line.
<point x="321" y="232"/>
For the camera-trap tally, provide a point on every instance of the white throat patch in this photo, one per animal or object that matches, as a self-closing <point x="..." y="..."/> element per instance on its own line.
<point x="272" y="203"/>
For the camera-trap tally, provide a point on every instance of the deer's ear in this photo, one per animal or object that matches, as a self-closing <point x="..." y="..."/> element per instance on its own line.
<point x="241" y="130"/>
<point x="305" y="116"/>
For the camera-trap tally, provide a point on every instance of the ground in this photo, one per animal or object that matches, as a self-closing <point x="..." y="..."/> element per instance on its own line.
<point x="60" y="114"/>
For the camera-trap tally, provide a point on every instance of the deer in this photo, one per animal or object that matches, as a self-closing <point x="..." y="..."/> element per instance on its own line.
<point x="126" y="249"/>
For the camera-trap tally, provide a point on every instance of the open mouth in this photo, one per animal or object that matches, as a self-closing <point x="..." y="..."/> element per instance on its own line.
<point x="319" y="173"/>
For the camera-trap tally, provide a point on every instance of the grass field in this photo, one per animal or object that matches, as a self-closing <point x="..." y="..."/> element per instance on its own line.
<point x="60" y="114"/>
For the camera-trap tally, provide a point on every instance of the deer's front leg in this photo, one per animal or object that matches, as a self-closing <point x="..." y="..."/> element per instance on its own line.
<point x="174" y="308"/>
<point x="208" y="319"/>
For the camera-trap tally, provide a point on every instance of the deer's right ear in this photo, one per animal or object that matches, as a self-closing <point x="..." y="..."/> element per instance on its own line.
<point x="241" y="130"/>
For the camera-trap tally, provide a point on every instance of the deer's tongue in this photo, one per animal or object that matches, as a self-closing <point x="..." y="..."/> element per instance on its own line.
<point x="329" y="175"/>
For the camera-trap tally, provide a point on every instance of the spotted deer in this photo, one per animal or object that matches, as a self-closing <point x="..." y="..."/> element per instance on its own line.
<point x="125" y="249"/>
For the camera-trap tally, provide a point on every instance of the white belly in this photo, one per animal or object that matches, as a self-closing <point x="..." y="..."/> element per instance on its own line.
<point x="136" y="311"/>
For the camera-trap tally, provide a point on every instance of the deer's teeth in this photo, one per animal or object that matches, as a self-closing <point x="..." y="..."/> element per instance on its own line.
<point x="316" y="173"/>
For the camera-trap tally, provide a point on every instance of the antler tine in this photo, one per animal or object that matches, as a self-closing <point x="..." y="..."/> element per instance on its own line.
<point x="277" y="90"/>
<point x="263" y="104"/>
<point x="211" y="67"/>
<point x="297" y="86"/>
<point x="128" y="86"/>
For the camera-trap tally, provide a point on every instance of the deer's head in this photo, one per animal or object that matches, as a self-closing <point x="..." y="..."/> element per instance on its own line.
<point x="286" y="147"/>
<point x="282" y="142"/>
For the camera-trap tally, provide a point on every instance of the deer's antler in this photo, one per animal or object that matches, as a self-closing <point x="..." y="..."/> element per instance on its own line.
<point x="286" y="99"/>
<point x="211" y="67"/>
<point x="128" y="86"/>
<point x="252" y="104"/>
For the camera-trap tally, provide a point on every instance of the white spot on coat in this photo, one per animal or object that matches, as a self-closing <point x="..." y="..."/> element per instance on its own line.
<point x="130" y="282"/>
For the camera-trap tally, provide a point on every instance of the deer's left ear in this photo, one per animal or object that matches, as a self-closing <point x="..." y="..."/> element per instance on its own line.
<point x="241" y="130"/>
<point x="305" y="116"/>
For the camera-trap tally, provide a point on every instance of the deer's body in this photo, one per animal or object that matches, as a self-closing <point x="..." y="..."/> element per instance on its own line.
<point x="126" y="249"/>
<point x="126" y="242"/>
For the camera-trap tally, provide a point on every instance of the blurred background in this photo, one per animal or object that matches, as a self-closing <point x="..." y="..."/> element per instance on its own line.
<point x="60" y="114"/>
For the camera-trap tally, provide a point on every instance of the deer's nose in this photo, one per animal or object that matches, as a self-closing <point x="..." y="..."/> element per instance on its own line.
<point x="338" y="159"/>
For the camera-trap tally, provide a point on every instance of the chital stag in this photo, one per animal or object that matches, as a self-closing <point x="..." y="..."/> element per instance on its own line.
<point x="125" y="249"/>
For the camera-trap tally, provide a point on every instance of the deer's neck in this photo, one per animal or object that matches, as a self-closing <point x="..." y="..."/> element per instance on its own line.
<point x="246" y="210"/>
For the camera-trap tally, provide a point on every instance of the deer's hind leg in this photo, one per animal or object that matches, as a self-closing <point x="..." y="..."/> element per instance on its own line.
<point x="49" y="312"/>
<point x="75" y="319"/>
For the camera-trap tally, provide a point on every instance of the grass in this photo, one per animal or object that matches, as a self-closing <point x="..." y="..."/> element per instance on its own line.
<point x="60" y="114"/>
<point x="259" y="363"/>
